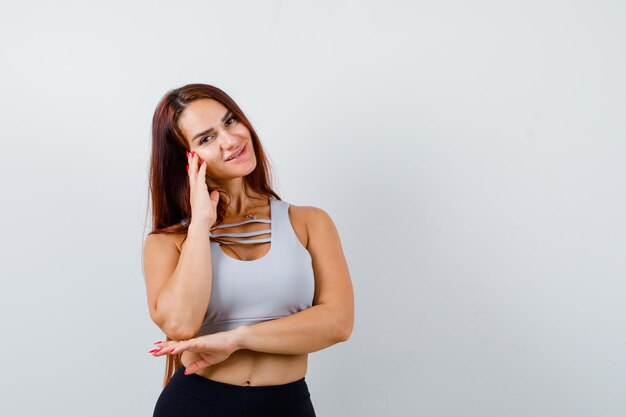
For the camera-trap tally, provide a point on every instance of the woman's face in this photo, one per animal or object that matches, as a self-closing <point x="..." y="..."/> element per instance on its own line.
<point x="215" y="134"/>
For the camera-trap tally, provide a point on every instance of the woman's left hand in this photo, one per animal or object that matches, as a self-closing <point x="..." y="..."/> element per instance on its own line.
<point x="212" y="348"/>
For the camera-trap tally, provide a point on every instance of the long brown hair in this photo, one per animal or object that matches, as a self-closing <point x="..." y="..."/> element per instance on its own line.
<point x="168" y="178"/>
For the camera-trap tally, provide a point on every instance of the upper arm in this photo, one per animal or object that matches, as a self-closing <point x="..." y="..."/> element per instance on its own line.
<point x="333" y="285"/>
<point x="160" y="258"/>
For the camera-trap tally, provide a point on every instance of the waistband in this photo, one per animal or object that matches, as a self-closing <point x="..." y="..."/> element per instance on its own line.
<point x="242" y="397"/>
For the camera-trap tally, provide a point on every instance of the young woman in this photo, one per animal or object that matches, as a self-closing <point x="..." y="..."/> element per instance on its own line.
<point x="243" y="284"/>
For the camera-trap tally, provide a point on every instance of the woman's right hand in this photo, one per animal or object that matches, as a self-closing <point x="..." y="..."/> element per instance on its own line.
<point x="203" y="204"/>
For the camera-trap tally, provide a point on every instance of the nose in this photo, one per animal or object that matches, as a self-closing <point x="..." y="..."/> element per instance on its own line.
<point x="229" y="140"/>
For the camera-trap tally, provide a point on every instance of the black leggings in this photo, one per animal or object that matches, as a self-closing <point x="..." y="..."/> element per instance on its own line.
<point x="194" y="396"/>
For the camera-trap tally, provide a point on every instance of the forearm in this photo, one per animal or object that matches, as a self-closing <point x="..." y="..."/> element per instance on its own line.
<point x="306" y="331"/>
<point x="183" y="301"/>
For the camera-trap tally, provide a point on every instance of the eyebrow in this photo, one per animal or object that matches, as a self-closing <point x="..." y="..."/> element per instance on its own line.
<point x="204" y="132"/>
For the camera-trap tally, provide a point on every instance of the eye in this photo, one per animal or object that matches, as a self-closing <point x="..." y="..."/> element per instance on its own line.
<point x="202" y="140"/>
<point x="233" y="118"/>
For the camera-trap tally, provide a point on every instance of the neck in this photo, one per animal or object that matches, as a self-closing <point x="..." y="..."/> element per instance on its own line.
<point x="240" y="203"/>
<point x="244" y="205"/>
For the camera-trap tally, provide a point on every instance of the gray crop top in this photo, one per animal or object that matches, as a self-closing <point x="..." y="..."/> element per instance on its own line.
<point x="276" y="285"/>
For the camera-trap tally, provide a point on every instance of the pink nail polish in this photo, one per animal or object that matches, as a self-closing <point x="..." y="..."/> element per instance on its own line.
<point x="160" y="341"/>
<point x="172" y="350"/>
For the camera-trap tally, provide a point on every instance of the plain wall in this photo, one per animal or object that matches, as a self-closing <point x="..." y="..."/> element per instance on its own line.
<point x="471" y="155"/>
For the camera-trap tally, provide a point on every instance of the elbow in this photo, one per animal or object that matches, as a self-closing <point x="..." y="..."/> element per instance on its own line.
<point x="343" y="323"/>
<point x="344" y="331"/>
<point x="345" y="335"/>
<point x="178" y="331"/>
<point x="174" y="327"/>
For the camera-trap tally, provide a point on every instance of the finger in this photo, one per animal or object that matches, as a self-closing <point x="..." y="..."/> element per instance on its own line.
<point x="195" y="366"/>
<point x="189" y="160"/>
<point x="201" y="178"/>
<point x="215" y="200"/>
<point x="201" y="165"/>
<point x="196" y="161"/>
<point x="188" y="344"/>
<point x="165" y="343"/>
<point x="192" y="170"/>
<point x="156" y="348"/>
<point x="163" y="348"/>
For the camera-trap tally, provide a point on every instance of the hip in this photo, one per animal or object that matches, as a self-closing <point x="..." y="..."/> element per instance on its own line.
<point x="193" y="395"/>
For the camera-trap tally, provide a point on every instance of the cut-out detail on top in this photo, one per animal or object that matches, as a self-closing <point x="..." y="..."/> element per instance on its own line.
<point x="244" y="234"/>
<point x="222" y="239"/>
<point x="221" y="226"/>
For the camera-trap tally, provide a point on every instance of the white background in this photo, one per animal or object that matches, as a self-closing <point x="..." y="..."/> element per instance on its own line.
<point x="470" y="153"/>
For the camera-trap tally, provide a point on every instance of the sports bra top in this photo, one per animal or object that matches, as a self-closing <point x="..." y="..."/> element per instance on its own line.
<point x="276" y="285"/>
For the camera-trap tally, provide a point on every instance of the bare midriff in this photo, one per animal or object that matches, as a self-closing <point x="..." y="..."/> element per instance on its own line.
<point x="250" y="368"/>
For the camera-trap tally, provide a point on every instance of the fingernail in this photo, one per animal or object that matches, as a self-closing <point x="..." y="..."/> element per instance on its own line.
<point x="187" y="167"/>
<point x="187" y="152"/>
<point x="160" y="341"/>
<point x="193" y="153"/>
<point x="172" y="350"/>
<point x="153" y="350"/>
<point x="185" y="372"/>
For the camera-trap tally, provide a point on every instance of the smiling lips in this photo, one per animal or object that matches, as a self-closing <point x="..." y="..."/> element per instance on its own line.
<point x="236" y="154"/>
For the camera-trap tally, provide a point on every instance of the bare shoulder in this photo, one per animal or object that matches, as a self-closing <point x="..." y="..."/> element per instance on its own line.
<point x="313" y="222"/>
<point x="159" y="250"/>
<point x="298" y="219"/>
<point x="160" y="241"/>
<point x="306" y="213"/>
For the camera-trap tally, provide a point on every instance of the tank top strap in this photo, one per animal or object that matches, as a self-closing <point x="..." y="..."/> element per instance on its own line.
<point x="280" y="222"/>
